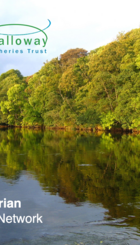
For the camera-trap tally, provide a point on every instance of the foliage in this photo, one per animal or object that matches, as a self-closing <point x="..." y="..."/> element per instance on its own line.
<point x="79" y="89"/>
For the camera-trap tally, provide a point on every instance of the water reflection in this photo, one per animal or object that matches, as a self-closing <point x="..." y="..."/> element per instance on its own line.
<point x="101" y="169"/>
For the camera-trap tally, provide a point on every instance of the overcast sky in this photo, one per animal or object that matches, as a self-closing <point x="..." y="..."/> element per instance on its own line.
<point x="74" y="24"/>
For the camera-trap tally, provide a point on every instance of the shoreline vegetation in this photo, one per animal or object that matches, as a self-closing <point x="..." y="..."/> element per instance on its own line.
<point x="79" y="129"/>
<point x="95" y="91"/>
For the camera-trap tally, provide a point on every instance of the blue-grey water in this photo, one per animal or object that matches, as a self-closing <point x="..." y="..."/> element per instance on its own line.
<point x="85" y="186"/>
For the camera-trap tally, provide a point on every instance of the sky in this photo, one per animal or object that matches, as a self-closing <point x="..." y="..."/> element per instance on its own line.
<point x="74" y="24"/>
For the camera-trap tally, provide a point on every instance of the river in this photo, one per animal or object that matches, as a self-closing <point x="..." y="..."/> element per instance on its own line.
<point x="84" y="185"/>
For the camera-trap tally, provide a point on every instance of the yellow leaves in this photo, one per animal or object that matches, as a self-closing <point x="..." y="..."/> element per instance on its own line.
<point x="68" y="81"/>
<point x="137" y="60"/>
<point x="127" y="62"/>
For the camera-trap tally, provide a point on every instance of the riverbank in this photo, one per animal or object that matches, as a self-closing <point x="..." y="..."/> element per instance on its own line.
<point x="80" y="128"/>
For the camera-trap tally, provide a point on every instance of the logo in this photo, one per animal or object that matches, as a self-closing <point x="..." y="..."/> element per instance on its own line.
<point x="13" y="39"/>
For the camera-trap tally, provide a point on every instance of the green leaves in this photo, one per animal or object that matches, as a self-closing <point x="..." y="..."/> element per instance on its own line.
<point x="107" y="120"/>
<point x="13" y="107"/>
<point x="100" y="89"/>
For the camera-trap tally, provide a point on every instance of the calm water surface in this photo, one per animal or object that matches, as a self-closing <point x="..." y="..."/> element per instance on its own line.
<point x="85" y="186"/>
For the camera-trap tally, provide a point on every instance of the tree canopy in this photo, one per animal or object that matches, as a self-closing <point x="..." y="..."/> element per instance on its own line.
<point x="96" y="89"/>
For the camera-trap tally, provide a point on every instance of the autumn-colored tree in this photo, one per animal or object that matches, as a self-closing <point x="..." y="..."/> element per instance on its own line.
<point x="70" y="57"/>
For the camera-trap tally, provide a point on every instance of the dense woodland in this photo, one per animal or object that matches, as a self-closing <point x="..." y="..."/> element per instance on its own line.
<point x="100" y="89"/>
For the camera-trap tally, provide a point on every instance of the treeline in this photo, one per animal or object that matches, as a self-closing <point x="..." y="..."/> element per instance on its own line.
<point x="80" y="89"/>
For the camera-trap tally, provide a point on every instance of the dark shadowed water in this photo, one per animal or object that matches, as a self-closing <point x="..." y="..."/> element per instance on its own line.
<point x="85" y="186"/>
